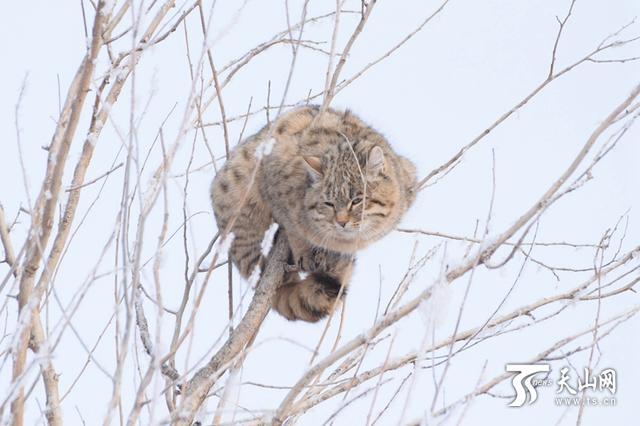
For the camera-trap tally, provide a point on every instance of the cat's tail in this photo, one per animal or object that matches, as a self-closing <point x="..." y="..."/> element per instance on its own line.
<point x="309" y="299"/>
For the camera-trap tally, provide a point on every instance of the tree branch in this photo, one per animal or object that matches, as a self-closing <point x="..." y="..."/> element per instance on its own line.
<point x="196" y="390"/>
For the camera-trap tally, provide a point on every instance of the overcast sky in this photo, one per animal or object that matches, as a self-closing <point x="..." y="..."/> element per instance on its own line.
<point x="472" y="63"/>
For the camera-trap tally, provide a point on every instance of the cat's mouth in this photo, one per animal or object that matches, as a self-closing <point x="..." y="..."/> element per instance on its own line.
<point x="346" y="239"/>
<point x="349" y="232"/>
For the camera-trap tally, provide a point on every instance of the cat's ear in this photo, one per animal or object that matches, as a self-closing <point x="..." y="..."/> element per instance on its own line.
<point x="375" y="162"/>
<point x="314" y="165"/>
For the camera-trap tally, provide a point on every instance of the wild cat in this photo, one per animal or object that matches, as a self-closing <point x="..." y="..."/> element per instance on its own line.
<point x="331" y="183"/>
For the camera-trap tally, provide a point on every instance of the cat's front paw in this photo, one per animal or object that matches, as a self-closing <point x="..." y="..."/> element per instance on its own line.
<point x="306" y="263"/>
<point x="291" y="268"/>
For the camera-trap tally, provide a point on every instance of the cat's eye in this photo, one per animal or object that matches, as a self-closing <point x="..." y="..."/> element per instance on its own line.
<point x="328" y="204"/>
<point x="356" y="201"/>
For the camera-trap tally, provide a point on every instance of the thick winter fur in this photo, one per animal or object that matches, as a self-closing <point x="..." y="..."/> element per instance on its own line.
<point x="332" y="183"/>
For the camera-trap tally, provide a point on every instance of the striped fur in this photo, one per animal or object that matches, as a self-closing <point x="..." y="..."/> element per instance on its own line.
<point x="332" y="183"/>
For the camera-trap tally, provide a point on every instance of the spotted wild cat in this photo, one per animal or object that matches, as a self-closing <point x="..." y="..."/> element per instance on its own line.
<point x="331" y="183"/>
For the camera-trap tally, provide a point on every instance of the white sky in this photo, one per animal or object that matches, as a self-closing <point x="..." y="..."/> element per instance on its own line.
<point x="469" y="65"/>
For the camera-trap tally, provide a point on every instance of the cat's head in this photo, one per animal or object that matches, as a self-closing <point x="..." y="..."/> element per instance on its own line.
<point x="355" y="195"/>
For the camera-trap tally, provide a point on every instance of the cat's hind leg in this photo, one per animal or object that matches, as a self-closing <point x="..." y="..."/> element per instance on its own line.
<point x="249" y="230"/>
<point x="247" y="218"/>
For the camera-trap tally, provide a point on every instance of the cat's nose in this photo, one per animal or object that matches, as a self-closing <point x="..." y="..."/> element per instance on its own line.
<point x="342" y="218"/>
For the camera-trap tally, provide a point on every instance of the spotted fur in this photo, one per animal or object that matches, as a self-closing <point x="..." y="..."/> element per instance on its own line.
<point x="332" y="182"/>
